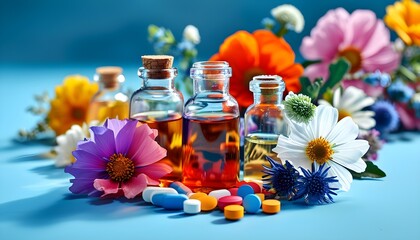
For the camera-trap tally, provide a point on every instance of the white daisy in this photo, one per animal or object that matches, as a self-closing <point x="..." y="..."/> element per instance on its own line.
<point x="192" y="34"/>
<point x="350" y="104"/>
<point x="290" y="15"/>
<point x="67" y="143"/>
<point x="323" y="140"/>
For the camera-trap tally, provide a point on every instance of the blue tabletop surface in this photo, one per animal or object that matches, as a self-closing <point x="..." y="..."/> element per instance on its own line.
<point x="35" y="202"/>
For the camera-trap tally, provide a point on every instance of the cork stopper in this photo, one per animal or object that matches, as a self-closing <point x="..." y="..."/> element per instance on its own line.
<point x="109" y="75"/>
<point x="156" y="64"/>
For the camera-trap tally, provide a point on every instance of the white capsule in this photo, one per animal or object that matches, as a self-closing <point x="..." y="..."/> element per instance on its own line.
<point x="192" y="206"/>
<point x="148" y="191"/>
<point x="219" y="193"/>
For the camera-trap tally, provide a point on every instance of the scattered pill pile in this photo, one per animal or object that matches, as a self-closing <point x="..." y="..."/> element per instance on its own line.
<point x="234" y="202"/>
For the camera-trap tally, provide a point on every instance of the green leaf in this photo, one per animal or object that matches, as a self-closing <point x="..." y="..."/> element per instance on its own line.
<point x="309" y="62"/>
<point x="337" y="71"/>
<point x="372" y="171"/>
<point x="310" y="89"/>
<point x="407" y="74"/>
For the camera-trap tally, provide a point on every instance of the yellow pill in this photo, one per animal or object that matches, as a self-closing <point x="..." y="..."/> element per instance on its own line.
<point x="197" y="195"/>
<point x="261" y="196"/>
<point x="208" y="203"/>
<point x="234" y="212"/>
<point x="271" y="206"/>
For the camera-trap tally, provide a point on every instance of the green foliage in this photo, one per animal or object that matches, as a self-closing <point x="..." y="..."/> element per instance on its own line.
<point x="372" y="171"/>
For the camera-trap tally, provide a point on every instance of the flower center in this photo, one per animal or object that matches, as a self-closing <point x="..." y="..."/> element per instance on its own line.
<point x="120" y="168"/>
<point x="342" y="114"/>
<point x="317" y="186"/>
<point x="319" y="150"/>
<point x="78" y="113"/>
<point x="250" y="73"/>
<point x="352" y="55"/>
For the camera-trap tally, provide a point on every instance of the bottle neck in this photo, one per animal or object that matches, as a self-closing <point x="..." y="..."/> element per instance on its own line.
<point x="159" y="84"/>
<point x="220" y="85"/>
<point x="109" y="86"/>
<point x="269" y="97"/>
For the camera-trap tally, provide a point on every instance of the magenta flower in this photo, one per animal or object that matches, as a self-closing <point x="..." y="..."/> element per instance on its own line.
<point x="359" y="37"/>
<point x="121" y="158"/>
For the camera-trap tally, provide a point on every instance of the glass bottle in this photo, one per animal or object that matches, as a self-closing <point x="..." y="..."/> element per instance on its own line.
<point x="263" y="124"/>
<point x="160" y="105"/>
<point x="211" y="130"/>
<point x="109" y="101"/>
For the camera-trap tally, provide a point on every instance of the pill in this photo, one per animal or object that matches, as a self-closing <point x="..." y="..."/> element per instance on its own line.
<point x="241" y="183"/>
<point x="174" y="201"/>
<point x="192" y="206"/>
<point x="229" y="200"/>
<point x="234" y="212"/>
<point x="197" y="195"/>
<point x="158" y="198"/>
<point x="208" y="203"/>
<point x="147" y="192"/>
<point x="261" y="196"/>
<point x="233" y="191"/>
<point x="219" y="193"/>
<point x="245" y="190"/>
<point x="251" y="203"/>
<point x="255" y="186"/>
<point x="180" y="188"/>
<point x="271" y="206"/>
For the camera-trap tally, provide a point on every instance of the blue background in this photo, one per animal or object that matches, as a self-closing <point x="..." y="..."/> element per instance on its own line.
<point x="115" y="32"/>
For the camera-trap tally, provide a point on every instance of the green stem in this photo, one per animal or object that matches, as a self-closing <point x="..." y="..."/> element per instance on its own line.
<point x="282" y="31"/>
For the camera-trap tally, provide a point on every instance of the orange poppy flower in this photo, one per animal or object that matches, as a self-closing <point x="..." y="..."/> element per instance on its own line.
<point x="259" y="53"/>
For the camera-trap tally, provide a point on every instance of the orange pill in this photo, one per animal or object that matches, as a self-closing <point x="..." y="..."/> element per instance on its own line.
<point x="271" y="206"/>
<point x="197" y="195"/>
<point x="234" y="212"/>
<point x="208" y="203"/>
<point x="261" y="196"/>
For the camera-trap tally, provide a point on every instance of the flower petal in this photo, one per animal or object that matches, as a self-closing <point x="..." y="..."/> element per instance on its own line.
<point x="349" y="155"/>
<point x="91" y="147"/>
<point x="88" y="160"/>
<point x="324" y="121"/>
<point x="345" y="130"/>
<point x="115" y="125"/>
<point x="104" y="139"/>
<point x="343" y="175"/>
<point x="106" y="185"/>
<point x="81" y="186"/>
<point x="155" y="170"/>
<point x="125" y="137"/>
<point x="134" y="186"/>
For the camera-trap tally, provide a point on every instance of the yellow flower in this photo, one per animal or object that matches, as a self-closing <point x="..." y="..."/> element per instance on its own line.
<point x="404" y="18"/>
<point x="71" y="103"/>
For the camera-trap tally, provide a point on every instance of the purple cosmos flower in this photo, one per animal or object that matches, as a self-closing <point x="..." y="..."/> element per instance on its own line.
<point x="121" y="158"/>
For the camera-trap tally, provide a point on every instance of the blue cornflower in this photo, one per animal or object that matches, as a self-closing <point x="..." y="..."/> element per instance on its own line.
<point x="400" y="92"/>
<point x="282" y="178"/>
<point x="386" y="116"/>
<point x="378" y="79"/>
<point x="315" y="185"/>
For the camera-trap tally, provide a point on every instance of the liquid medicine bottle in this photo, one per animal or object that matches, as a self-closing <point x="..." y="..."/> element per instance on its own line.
<point x="158" y="104"/>
<point x="109" y="101"/>
<point x="211" y="130"/>
<point x="264" y="122"/>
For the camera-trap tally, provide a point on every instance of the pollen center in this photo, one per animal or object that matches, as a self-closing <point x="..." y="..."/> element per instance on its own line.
<point x="319" y="150"/>
<point x="78" y="113"/>
<point x="342" y="114"/>
<point x="120" y="168"/>
<point x="352" y="55"/>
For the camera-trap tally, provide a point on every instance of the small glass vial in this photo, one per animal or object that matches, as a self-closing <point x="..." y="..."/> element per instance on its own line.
<point x="109" y="101"/>
<point x="263" y="124"/>
<point x="160" y="105"/>
<point x="211" y="130"/>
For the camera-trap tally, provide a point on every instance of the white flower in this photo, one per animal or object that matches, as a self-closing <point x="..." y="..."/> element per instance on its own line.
<point x="191" y="34"/>
<point x="350" y="104"/>
<point x="323" y="140"/>
<point x="67" y="143"/>
<point x="289" y="14"/>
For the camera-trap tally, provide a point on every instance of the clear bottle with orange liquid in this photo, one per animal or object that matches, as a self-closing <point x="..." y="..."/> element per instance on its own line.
<point x="109" y="101"/>
<point x="211" y="130"/>
<point x="158" y="104"/>
<point x="264" y="122"/>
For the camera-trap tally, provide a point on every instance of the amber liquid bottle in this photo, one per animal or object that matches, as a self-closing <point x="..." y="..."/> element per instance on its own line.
<point x="264" y="123"/>
<point x="158" y="104"/>
<point x="109" y="101"/>
<point x="211" y="130"/>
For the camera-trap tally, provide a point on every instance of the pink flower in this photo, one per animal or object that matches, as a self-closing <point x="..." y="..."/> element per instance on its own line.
<point x="121" y="158"/>
<point x="359" y="37"/>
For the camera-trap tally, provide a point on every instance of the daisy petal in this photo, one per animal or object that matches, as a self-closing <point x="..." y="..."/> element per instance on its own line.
<point x="326" y="119"/>
<point x="343" y="175"/>
<point x="134" y="186"/>
<point x="106" y="185"/>
<point x="345" y="130"/>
